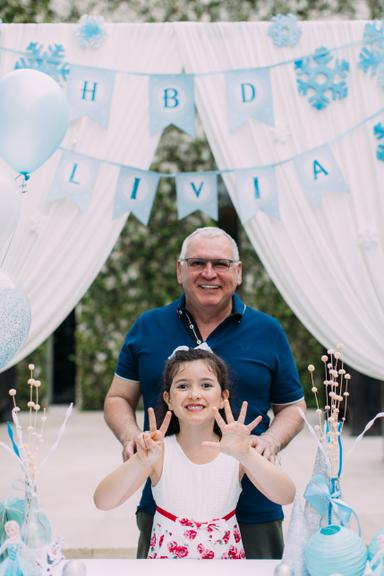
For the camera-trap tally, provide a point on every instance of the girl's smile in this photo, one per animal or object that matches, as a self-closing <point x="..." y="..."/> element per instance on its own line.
<point x="195" y="390"/>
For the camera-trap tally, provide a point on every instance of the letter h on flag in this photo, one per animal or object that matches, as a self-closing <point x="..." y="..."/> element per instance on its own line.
<point x="171" y="101"/>
<point x="90" y="92"/>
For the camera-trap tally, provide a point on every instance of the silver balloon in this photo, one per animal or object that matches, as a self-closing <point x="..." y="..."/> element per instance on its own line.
<point x="15" y="318"/>
<point x="283" y="569"/>
<point x="74" y="568"/>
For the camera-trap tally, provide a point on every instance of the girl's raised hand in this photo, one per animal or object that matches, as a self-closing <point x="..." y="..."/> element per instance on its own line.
<point x="149" y="444"/>
<point x="235" y="438"/>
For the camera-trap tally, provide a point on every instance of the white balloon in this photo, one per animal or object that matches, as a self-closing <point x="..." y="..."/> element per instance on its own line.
<point x="74" y="568"/>
<point x="10" y="206"/>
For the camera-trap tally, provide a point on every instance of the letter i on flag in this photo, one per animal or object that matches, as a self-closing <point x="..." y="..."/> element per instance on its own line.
<point x="197" y="191"/>
<point x="135" y="192"/>
<point x="171" y="101"/>
<point x="256" y="190"/>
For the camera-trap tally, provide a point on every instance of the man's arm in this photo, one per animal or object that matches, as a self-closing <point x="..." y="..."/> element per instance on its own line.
<point x="285" y="425"/>
<point x="120" y="412"/>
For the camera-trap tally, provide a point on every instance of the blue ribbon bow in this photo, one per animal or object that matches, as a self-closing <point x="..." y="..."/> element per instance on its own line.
<point x="322" y="498"/>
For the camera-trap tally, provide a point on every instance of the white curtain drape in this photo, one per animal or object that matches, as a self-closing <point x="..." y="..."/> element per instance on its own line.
<point x="58" y="250"/>
<point x="327" y="261"/>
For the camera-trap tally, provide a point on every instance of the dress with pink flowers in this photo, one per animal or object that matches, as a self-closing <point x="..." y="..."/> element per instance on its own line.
<point x="196" y="503"/>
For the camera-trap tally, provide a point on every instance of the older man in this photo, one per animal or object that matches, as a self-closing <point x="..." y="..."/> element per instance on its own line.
<point x="260" y="361"/>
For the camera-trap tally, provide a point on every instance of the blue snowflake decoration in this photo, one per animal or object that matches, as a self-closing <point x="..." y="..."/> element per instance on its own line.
<point x="378" y="131"/>
<point x="371" y="57"/>
<point x="284" y="30"/>
<point x="90" y="31"/>
<point x="321" y="81"/>
<point x="50" y="61"/>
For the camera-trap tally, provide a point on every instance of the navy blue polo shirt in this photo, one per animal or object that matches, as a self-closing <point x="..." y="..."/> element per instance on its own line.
<point x="259" y="358"/>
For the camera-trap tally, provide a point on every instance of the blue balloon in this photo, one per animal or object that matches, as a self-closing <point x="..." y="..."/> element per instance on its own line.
<point x="34" y="116"/>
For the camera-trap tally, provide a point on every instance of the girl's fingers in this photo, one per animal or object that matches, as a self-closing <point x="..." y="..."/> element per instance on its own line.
<point x="243" y="412"/>
<point x="152" y="420"/>
<point x="255" y="422"/>
<point x="166" y="421"/>
<point x="219" y="419"/>
<point x="228" y="412"/>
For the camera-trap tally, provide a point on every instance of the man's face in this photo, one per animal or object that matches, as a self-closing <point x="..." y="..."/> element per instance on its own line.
<point x="209" y="287"/>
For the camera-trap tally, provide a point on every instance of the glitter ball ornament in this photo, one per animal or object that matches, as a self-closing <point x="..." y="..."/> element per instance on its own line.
<point x="74" y="568"/>
<point x="15" y="318"/>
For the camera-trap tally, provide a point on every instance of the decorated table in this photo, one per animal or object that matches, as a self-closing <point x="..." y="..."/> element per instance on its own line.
<point x="172" y="567"/>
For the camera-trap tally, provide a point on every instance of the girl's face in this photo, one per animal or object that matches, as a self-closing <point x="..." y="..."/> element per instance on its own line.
<point x="195" y="390"/>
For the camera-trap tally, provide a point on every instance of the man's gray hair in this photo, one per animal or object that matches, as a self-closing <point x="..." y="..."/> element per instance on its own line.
<point x="209" y="232"/>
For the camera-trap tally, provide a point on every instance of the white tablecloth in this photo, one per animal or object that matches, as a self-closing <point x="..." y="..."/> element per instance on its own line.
<point x="174" y="567"/>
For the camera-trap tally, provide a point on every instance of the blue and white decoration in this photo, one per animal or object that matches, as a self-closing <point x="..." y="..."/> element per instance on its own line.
<point x="376" y="553"/>
<point x="335" y="550"/>
<point x="90" y="92"/>
<point x="249" y="95"/>
<point x="321" y="81"/>
<point x="50" y="61"/>
<point x="197" y="191"/>
<point x="15" y="318"/>
<point x="171" y="101"/>
<point x="319" y="173"/>
<point x="135" y="192"/>
<point x="91" y="31"/>
<point x="378" y="131"/>
<point x="371" y="57"/>
<point x="75" y="178"/>
<point x="256" y="190"/>
<point x="284" y="30"/>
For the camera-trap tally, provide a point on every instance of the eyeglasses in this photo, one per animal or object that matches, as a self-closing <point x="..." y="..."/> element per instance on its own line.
<point x="218" y="264"/>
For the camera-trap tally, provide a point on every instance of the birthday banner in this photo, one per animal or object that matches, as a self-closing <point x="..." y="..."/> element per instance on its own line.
<point x="321" y="78"/>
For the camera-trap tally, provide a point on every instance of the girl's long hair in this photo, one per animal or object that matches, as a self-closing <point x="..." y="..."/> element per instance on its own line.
<point x="215" y="363"/>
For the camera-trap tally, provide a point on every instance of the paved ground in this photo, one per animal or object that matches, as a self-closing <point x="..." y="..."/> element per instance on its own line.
<point x="88" y="451"/>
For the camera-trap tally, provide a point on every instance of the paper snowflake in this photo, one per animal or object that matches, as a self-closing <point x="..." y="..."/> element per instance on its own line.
<point x="378" y="131"/>
<point x="50" y="61"/>
<point x="321" y="80"/>
<point x="90" y="31"/>
<point x="371" y="57"/>
<point x="284" y="30"/>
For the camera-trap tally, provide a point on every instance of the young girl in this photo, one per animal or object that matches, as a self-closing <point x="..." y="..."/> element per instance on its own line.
<point x="197" y="468"/>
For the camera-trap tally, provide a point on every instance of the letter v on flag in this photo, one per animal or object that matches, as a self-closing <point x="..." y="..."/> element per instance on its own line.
<point x="197" y="191"/>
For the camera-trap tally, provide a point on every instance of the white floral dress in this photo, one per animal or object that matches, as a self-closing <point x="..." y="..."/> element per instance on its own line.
<point x="196" y="503"/>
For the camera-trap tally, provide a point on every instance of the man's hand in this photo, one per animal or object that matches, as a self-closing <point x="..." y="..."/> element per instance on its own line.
<point x="266" y="445"/>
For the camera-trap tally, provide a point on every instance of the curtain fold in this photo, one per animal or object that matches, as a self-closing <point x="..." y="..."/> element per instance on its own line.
<point x="327" y="261"/>
<point x="58" y="250"/>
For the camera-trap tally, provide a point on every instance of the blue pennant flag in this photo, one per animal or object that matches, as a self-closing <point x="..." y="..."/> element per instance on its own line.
<point x="171" y="101"/>
<point x="89" y="92"/>
<point x="249" y="95"/>
<point x="319" y="173"/>
<point x="197" y="191"/>
<point x="135" y="192"/>
<point x="256" y="190"/>
<point x="75" y="178"/>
